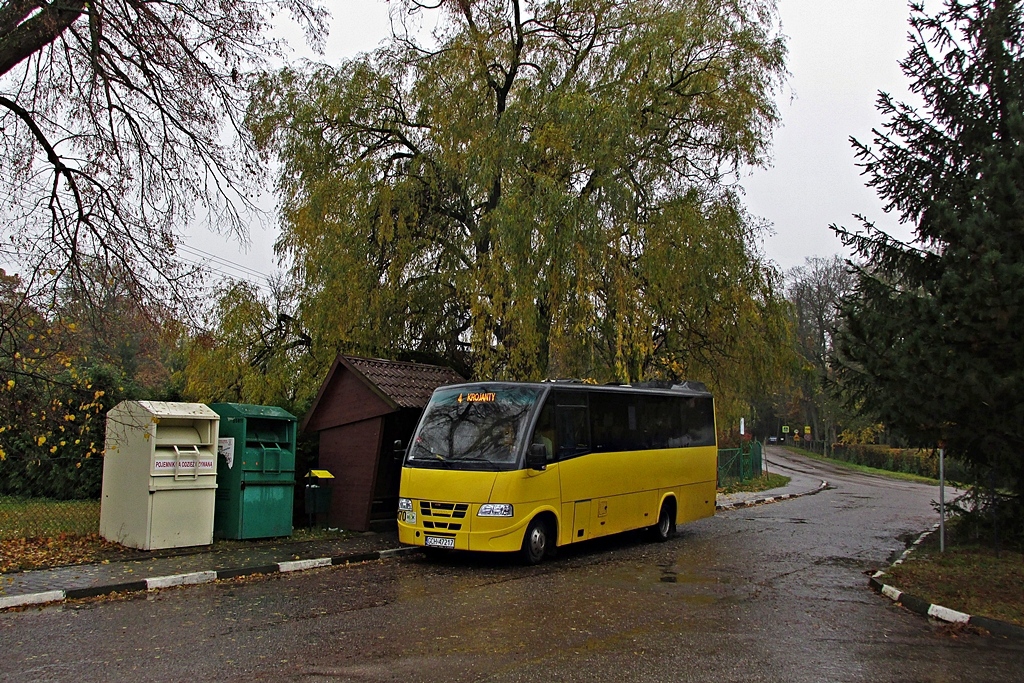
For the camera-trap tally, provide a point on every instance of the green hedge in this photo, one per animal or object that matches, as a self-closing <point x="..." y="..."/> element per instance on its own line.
<point x="58" y="478"/>
<point x="924" y="462"/>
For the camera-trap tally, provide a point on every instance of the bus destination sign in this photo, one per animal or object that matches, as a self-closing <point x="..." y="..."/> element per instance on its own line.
<point x="474" y="397"/>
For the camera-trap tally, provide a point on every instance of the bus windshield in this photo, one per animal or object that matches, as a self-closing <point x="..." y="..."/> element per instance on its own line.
<point x="481" y="427"/>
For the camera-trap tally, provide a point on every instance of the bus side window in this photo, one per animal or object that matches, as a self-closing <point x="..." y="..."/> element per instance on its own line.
<point x="573" y="431"/>
<point x="613" y="420"/>
<point x="699" y="421"/>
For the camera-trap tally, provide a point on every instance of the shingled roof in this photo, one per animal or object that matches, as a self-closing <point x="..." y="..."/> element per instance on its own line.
<point x="408" y="385"/>
<point x="362" y="388"/>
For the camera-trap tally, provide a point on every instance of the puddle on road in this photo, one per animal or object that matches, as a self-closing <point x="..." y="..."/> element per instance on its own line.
<point x="672" y="574"/>
<point x="784" y="520"/>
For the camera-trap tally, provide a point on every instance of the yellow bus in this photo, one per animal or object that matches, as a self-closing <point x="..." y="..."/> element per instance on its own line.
<point x="526" y="467"/>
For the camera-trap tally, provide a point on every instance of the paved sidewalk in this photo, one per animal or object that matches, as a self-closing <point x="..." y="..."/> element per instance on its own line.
<point x="79" y="581"/>
<point x="205" y="565"/>
<point x="777" y="461"/>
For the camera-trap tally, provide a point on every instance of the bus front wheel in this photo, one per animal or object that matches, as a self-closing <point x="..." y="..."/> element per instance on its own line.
<point x="666" y="526"/>
<point x="537" y="542"/>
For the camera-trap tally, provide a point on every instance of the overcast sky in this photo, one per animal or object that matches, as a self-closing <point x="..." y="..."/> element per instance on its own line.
<point x="841" y="53"/>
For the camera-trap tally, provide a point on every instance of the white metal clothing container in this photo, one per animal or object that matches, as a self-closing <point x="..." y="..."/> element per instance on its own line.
<point x="159" y="474"/>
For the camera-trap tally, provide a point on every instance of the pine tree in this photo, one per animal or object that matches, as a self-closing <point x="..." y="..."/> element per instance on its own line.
<point x="933" y="335"/>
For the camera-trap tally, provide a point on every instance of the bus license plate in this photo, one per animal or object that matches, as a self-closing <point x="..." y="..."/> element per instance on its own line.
<point x="439" y="542"/>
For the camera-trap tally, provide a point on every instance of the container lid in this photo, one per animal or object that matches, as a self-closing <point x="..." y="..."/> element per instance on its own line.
<point x="174" y="409"/>
<point x="247" y="410"/>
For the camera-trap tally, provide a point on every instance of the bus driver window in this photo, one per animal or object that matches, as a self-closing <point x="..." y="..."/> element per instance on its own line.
<point x="545" y="431"/>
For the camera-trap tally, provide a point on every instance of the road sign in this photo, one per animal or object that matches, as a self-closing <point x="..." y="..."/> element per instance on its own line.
<point x="785" y="429"/>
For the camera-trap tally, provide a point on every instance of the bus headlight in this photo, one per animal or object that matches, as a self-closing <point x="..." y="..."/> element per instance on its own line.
<point x="495" y="510"/>
<point x="404" y="504"/>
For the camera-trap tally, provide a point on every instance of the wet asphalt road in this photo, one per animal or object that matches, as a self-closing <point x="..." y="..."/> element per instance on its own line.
<point x="772" y="593"/>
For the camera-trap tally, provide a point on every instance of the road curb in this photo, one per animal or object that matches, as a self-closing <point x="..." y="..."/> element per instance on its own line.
<point x="195" y="578"/>
<point x="770" y="499"/>
<point x="927" y="609"/>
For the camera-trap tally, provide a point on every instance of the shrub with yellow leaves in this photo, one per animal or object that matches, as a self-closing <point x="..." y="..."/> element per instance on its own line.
<point x="52" y="422"/>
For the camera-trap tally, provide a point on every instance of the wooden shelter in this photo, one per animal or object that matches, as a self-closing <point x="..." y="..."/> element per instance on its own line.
<point x="363" y="407"/>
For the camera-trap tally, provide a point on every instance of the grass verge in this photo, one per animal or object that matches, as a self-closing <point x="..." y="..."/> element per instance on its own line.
<point x="762" y="483"/>
<point x="864" y="468"/>
<point x="967" y="577"/>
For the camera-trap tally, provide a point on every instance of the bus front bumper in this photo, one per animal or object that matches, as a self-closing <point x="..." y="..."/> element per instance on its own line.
<point x="484" y="534"/>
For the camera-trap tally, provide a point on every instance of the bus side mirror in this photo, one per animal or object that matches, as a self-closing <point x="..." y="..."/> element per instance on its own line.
<point x="537" y="457"/>
<point x="399" y="450"/>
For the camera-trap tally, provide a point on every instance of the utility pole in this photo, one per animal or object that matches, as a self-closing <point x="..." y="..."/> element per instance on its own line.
<point x="942" y="500"/>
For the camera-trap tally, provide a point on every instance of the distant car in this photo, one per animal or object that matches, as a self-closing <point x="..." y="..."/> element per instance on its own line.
<point x="772" y="439"/>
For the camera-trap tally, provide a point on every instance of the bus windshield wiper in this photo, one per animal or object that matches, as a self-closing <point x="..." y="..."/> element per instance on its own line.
<point x="478" y="461"/>
<point x="441" y="459"/>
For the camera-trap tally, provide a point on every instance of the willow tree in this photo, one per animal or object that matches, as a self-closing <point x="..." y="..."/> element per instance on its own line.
<point x="258" y="352"/>
<point x="541" y="189"/>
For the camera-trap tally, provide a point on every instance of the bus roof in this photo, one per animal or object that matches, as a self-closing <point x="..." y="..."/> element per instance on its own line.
<point x="663" y="388"/>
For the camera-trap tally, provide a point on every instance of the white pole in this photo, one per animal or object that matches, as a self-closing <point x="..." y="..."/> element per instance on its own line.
<point x="942" y="500"/>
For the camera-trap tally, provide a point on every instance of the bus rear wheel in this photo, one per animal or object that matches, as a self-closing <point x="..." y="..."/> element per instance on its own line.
<point x="537" y="542"/>
<point x="666" y="526"/>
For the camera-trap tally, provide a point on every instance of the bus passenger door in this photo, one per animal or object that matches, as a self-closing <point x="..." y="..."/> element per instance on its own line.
<point x="572" y="446"/>
<point x="563" y="427"/>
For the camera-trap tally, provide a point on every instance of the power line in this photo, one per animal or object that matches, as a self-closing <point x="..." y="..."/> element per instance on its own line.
<point x="195" y="251"/>
<point x="211" y="262"/>
<point x="202" y="259"/>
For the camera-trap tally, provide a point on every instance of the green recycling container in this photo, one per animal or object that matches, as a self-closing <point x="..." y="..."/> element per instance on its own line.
<point x="255" y="471"/>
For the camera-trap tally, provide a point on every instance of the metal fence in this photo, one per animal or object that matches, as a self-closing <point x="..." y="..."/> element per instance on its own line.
<point x="31" y="517"/>
<point x="49" y="497"/>
<point x="739" y="464"/>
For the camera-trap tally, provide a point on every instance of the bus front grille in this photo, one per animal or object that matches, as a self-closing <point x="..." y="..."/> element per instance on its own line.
<point x="450" y="526"/>
<point x="444" y="510"/>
